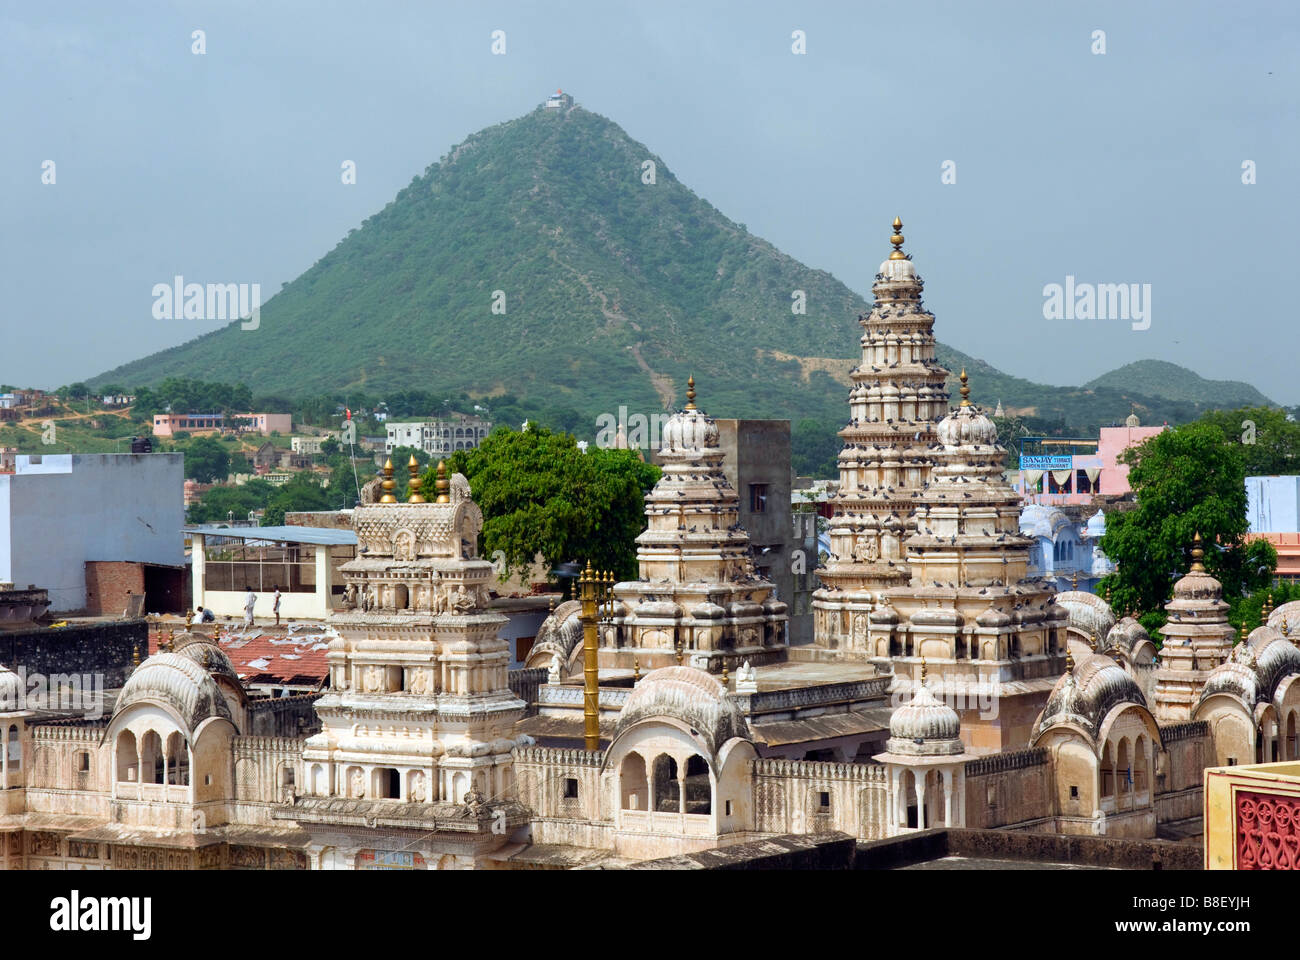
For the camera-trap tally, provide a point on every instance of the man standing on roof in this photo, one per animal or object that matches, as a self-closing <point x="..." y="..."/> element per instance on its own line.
<point x="249" y="601"/>
<point x="276" y="607"/>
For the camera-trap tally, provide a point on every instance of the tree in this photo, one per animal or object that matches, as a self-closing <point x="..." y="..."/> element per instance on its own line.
<point x="1270" y="443"/>
<point x="206" y="460"/>
<point x="540" y="494"/>
<point x="1187" y="481"/>
<point x="302" y="492"/>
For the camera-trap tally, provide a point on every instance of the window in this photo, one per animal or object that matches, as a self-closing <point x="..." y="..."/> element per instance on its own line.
<point x="1074" y="792"/>
<point x="824" y="800"/>
<point x="757" y="497"/>
<point x="83" y="762"/>
<point x="570" y="788"/>
<point x="728" y="808"/>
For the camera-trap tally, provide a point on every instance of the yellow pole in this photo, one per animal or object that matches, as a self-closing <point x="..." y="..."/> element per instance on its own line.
<point x="587" y="586"/>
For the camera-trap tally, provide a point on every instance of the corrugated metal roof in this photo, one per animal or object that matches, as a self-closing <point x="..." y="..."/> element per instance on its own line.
<point x="321" y="535"/>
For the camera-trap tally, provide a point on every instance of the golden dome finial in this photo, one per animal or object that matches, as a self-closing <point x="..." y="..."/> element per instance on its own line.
<point x="897" y="241"/>
<point x="1094" y="641"/>
<point x="1074" y="580"/>
<point x="636" y="671"/>
<point x="690" y="392"/>
<point x="965" y="389"/>
<point x="1069" y="657"/>
<point x="389" y="483"/>
<point x="923" y="671"/>
<point x="413" y="467"/>
<point x="442" y="483"/>
<point x="1198" y="553"/>
<point x="726" y="678"/>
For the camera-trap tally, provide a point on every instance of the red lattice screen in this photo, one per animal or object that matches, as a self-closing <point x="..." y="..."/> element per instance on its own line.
<point x="1268" y="832"/>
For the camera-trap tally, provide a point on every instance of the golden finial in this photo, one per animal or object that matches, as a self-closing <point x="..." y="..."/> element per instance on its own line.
<point x="1244" y="634"/>
<point x="1198" y="553"/>
<point x="1094" y="641"/>
<point x="726" y="678"/>
<point x="690" y="392"/>
<point x="923" y="671"/>
<point x="897" y="241"/>
<point x="636" y="671"/>
<point x="1074" y="580"/>
<point x="1069" y="658"/>
<point x="135" y="656"/>
<point x="414" y="469"/>
<point x="1108" y="594"/>
<point x="679" y="654"/>
<point x="550" y="606"/>
<point x="442" y="484"/>
<point x="965" y="389"/>
<point x="389" y="483"/>
<point x="1268" y="607"/>
<point x="189" y="618"/>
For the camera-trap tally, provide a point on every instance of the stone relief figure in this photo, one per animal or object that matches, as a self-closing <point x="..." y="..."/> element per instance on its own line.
<point x="357" y="785"/>
<point x="350" y="596"/>
<point x="374" y="678"/>
<point x="404" y="545"/>
<point x="866" y="550"/>
<point x="553" y="671"/>
<point x="860" y="632"/>
<point x="419" y="681"/>
<point x="419" y="791"/>
<point x="482" y="595"/>
<point x="746" y="679"/>
<point x="366" y="599"/>
<point x="476" y="803"/>
<point x="461" y="601"/>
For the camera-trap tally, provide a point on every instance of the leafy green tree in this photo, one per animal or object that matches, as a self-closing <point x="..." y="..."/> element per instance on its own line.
<point x="220" y="503"/>
<point x="540" y="493"/>
<point x="1270" y="443"/>
<point x="302" y="492"/>
<point x="814" y="449"/>
<point x="206" y="460"/>
<point x="1187" y="481"/>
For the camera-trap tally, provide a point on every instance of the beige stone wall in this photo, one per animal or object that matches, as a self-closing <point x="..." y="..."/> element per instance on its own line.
<point x="1010" y="788"/>
<point x="541" y="778"/>
<point x="794" y="796"/>
<point x="55" y="781"/>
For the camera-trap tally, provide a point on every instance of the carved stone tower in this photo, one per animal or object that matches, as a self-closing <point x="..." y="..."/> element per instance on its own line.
<point x="898" y="395"/>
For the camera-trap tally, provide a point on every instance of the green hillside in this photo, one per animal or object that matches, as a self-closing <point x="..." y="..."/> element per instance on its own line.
<point x="1173" y="382"/>
<point x="614" y="291"/>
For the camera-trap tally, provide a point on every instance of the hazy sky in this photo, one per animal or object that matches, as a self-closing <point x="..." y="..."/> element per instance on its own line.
<point x="1117" y="168"/>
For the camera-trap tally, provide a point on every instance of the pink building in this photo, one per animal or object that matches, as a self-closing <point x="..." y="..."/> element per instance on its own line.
<point x="268" y="423"/>
<point x="167" y="424"/>
<point x="1076" y="478"/>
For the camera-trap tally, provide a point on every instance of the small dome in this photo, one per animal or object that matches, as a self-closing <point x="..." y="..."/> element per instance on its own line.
<point x="11" y="690"/>
<point x="1132" y="421"/>
<point x="1088" y="613"/>
<point x="207" y="655"/>
<point x="924" y="726"/>
<point x="689" y="430"/>
<point x="179" y="682"/>
<point x="689" y="695"/>
<point x="1087" y="694"/>
<point x="1290" y="612"/>
<point x="708" y="610"/>
<point x="1038" y="520"/>
<point x="992" y="617"/>
<point x="897" y="270"/>
<point x="1128" y="636"/>
<point x="967" y="427"/>
<point x="1097" y="526"/>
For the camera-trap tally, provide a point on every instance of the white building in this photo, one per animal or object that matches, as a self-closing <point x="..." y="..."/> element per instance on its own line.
<point x="59" y="512"/>
<point x="438" y="438"/>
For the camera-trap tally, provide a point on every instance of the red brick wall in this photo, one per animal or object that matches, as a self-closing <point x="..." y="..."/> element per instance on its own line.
<point x="107" y="583"/>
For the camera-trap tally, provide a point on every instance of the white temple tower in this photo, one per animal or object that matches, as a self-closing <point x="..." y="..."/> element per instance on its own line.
<point x="898" y="394"/>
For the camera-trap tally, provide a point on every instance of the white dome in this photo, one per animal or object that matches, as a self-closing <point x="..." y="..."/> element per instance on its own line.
<point x="898" y="270"/>
<point x="967" y="427"/>
<point x="924" y="726"/>
<point x="690" y="430"/>
<point x="11" y="691"/>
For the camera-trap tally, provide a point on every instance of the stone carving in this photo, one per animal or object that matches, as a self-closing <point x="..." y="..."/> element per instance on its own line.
<point x="370" y="493"/>
<point x="461" y="601"/>
<point x="866" y="550"/>
<point x="699" y="661"/>
<point x="860" y="632"/>
<point x="419" y="789"/>
<point x="746" y="679"/>
<point x="553" y="672"/>
<point x="477" y="804"/>
<point x="350" y="596"/>
<point x="419" y="681"/>
<point x="404" y="544"/>
<point x="357" y="785"/>
<point x="374" y="679"/>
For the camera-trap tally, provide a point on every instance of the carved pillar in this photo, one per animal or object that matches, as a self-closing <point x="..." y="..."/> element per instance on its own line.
<point x="920" y="798"/>
<point x="947" y="798"/>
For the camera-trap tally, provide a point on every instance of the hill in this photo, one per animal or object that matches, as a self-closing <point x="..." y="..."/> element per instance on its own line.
<point x="532" y="262"/>
<point x="1169" y="380"/>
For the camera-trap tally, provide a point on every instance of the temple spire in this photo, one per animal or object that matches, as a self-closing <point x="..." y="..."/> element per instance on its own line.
<point x="965" y="389"/>
<point x="690" y="392"/>
<point x="1198" y="553"/>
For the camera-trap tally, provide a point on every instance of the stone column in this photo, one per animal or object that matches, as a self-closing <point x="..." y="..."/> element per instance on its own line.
<point x="324" y="596"/>
<point x="947" y="797"/>
<point x="920" y="799"/>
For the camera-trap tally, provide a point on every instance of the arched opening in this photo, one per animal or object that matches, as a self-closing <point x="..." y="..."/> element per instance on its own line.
<point x="1141" y="771"/>
<point x="459" y="787"/>
<point x="667" y="791"/>
<point x="1124" y="771"/>
<point x="178" y="761"/>
<point x="15" y="751"/>
<point x="1108" y="771"/>
<point x="1291" y="737"/>
<point x="699" y="791"/>
<point x="127" y="759"/>
<point x="319" y="785"/>
<point x="151" y="758"/>
<point x="632" y="780"/>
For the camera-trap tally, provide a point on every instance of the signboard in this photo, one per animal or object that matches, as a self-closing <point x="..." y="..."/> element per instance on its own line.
<point x="390" y="860"/>
<point x="1047" y="463"/>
